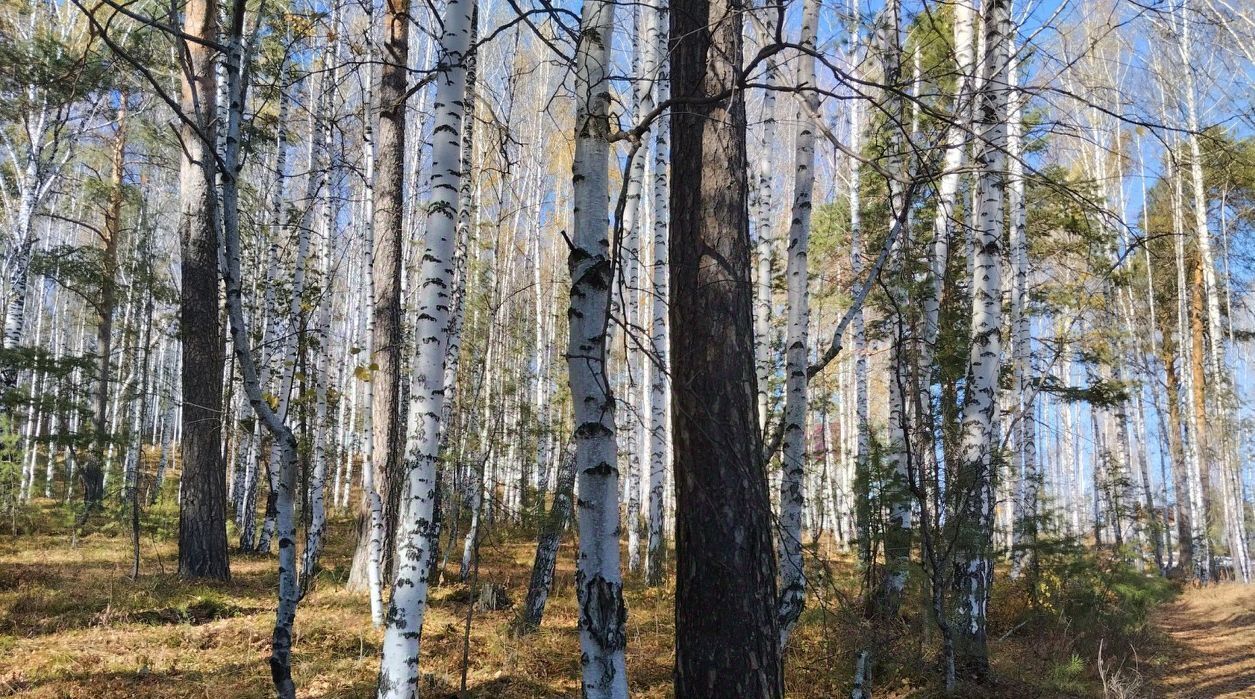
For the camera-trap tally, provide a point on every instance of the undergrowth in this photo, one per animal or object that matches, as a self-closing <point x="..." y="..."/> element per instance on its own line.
<point x="72" y="624"/>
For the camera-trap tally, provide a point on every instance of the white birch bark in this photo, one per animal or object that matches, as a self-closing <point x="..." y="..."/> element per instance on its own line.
<point x="398" y="669"/>
<point x="1190" y="439"/>
<point x="792" y="484"/>
<point x="314" y="184"/>
<point x="1024" y="532"/>
<point x="316" y="496"/>
<point x="659" y="425"/>
<point x="599" y="584"/>
<point x="980" y="401"/>
<point x="896" y="491"/>
<point x="271" y="326"/>
<point x="370" y="490"/>
<point x="862" y="446"/>
<point x="284" y="479"/>
<point x="646" y="67"/>
<point x="764" y="247"/>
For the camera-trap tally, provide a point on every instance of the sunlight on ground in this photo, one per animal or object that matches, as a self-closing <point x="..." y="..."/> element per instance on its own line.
<point x="72" y="624"/>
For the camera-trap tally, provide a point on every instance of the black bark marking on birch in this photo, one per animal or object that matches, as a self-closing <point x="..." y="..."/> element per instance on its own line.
<point x="601" y="469"/>
<point x="604" y="614"/>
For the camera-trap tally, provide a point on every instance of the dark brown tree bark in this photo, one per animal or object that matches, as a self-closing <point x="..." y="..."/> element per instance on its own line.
<point x="202" y="513"/>
<point x="1198" y="354"/>
<point x="389" y="189"/>
<point x="92" y="474"/>
<point x="726" y="628"/>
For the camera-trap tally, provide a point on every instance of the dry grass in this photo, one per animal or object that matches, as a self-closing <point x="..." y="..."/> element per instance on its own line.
<point x="1209" y="644"/>
<point x="72" y="624"/>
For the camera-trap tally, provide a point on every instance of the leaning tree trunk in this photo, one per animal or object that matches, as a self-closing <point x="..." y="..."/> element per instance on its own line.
<point x="598" y="579"/>
<point x="792" y="496"/>
<point x="727" y="634"/>
<point x="247" y="515"/>
<point x="547" y="547"/>
<point x="398" y="669"/>
<point x="977" y="469"/>
<point x="202" y="506"/>
<point x="288" y="594"/>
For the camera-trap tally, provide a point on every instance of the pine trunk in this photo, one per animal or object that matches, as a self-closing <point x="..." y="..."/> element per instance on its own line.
<point x="727" y="633"/>
<point x="202" y="508"/>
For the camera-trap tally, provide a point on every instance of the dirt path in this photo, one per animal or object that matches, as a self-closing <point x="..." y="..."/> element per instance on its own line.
<point x="1211" y="644"/>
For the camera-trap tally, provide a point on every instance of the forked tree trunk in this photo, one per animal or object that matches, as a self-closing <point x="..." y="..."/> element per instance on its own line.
<point x="288" y="593"/>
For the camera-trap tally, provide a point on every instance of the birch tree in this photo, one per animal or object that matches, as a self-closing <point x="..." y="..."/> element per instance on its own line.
<point x="598" y="578"/>
<point x="792" y="575"/>
<point x="980" y="402"/>
<point x="398" y="669"/>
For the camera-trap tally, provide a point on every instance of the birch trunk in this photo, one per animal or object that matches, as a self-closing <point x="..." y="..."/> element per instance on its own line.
<point x="1024" y="533"/>
<point x="659" y="432"/>
<point x="382" y="202"/>
<point x="317" y="486"/>
<point x="764" y="249"/>
<point x="978" y="466"/>
<point x="792" y="495"/>
<point x="316" y="180"/>
<point x="862" y="446"/>
<point x="598" y="579"/>
<point x="288" y="593"/>
<point x="271" y="328"/>
<point x="896" y="492"/>
<point x="398" y="669"/>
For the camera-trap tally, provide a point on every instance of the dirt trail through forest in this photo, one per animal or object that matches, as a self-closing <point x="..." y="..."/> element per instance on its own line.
<point x="1211" y="644"/>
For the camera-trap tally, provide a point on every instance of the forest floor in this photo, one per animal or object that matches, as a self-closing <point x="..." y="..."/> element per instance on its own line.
<point x="73" y="624"/>
<point x="1211" y="637"/>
